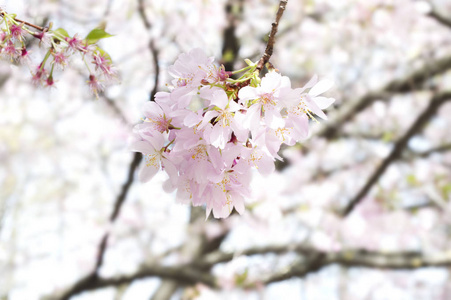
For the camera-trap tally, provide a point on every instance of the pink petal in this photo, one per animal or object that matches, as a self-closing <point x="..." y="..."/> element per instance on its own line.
<point x="247" y="93"/>
<point x="147" y="172"/>
<point x="152" y="110"/>
<point x="323" y="102"/>
<point x="315" y="109"/>
<point x="271" y="82"/>
<point x="220" y="99"/>
<point x="142" y="146"/>
<point x="321" y="87"/>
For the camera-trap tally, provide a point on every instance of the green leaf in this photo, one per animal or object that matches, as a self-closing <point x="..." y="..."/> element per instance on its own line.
<point x="97" y="34"/>
<point x="103" y="53"/>
<point x="412" y="180"/>
<point x="446" y="190"/>
<point x="61" y="31"/>
<point x="240" y="279"/>
<point x="388" y="137"/>
<point x="228" y="56"/>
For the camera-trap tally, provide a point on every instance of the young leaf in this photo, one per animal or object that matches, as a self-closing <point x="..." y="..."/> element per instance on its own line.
<point x="103" y="53"/>
<point x="96" y="34"/>
<point x="62" y="31"/>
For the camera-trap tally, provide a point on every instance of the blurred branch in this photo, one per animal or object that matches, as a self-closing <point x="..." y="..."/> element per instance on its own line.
<point x="183" y="275"/>
<point x="272" y="36"/>
<point x="137" y="157"/>
<point x="361" y="258"/>
<point x="92" y="278"/>
<point x="399" y="146"/>
<point x="230" y="43"/>
<point x="153" y="50"/>
<point x="311" y="260"/>
<point x="438" y="149"/>
<point x="406" y="84"/>
<point x="434" y="14"/>
<point x="112" y="104"/>
<point x="107" y="9"/>
<point x="142" y="14"/>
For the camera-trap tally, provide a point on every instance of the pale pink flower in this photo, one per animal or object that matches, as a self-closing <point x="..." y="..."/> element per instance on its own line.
<point x="223" y="118"/>
<point x="24" y="56"/>
<point x="95" y="85"/>
<point x="201" y="163"/>
<point x="150" y="146"/>
<point x="156" y="116"/>
<point x="264" y="102"/>
<point x="105" y="66"/>
<point x="229" y="192"/>
<point x="59" y="59"/>
<point x="37" y="78"/>
<point x="75" y="44"/>
<point x="190" y="68"/>
<point x="45" y="38"/>
<point x="258" y="158"/>
<point x="310" y="102"/>
<point x="10" y="50"/>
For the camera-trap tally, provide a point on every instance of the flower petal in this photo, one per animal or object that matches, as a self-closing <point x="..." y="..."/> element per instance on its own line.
<point x="322" y="86"/>
<point x="323" y="102"/>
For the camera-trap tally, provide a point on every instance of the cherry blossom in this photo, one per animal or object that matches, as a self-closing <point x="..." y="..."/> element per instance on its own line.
<point x="209" y="133"/>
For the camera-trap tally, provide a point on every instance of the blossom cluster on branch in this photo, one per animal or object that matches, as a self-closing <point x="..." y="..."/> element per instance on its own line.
<point x="210" y="130"/>
<point x="60" y="47"/>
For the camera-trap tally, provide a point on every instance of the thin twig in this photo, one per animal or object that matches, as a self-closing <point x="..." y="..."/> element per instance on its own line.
<point x="440" y="18"/>
<point x="400" y="85"/>
<point x="272" y="36"/>
<point x="399" y="146"/>
<point x="310" y="260"/>
<point x="27" y="23"/>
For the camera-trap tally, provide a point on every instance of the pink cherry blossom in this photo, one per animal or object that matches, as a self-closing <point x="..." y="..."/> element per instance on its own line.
<point x="208" y="135"/>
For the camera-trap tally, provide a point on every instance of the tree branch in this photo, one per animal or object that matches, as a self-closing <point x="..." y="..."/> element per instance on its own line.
<point x="399" y="146"/>
<point x="406" y="84"/>
<point x="361" y="258"/>
<point x="183" y="275"/>
<point x="272" y="36"/>
<point x="311" y="260"/>
<point x="2" y="13"/>
<point x="434" y="14"/>
<point x="438" y="149"/>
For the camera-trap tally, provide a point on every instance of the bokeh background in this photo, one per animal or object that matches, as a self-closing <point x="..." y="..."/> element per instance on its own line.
<point x="76" y="224"/>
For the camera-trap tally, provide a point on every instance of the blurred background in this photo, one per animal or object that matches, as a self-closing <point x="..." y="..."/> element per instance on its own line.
<point x="360" y="210"/>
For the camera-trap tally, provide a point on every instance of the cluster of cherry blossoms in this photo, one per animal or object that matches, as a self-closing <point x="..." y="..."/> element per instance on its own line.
<point x="60" y="46"/>
<point x="210" y="131"/>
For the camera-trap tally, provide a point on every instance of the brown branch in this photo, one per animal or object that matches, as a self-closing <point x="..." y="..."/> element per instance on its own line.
<point x="410" y="82"/>
<point x="310" y="260"/>
<point x="137" y="157"/>
<point x="438" y="149"/>
<point x="184" y="275"/>
<point x="399" y="146"/>
<point x="230" y="41"/>
<point x="434" y="14"/>
<point x="142" y="14"/>
<point x="361" y="258"/>
<point x="272" y="36"/>
<point x="2" y="13"/>
<point x="92" y="278"/>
